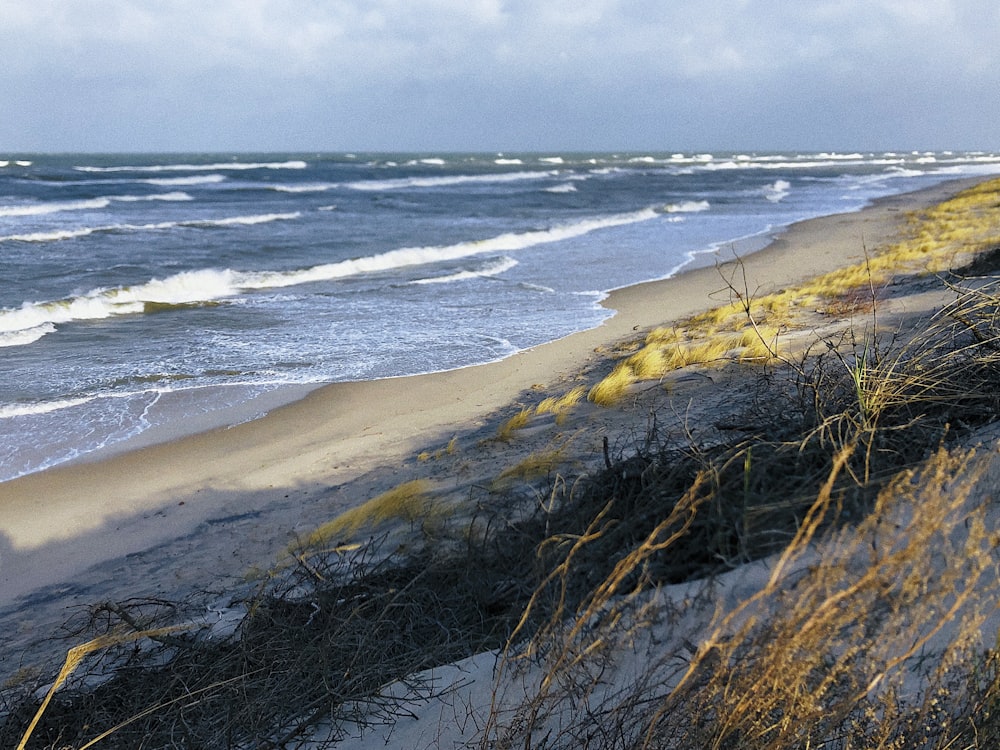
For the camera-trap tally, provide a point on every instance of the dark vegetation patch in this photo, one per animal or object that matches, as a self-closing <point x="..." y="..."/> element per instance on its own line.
<point x="325" y="637"/>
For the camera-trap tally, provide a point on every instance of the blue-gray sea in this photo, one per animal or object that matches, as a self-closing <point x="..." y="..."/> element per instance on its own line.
<point x="140" y="292"/>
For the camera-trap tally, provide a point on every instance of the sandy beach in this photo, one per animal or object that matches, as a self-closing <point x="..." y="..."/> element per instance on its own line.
<point x="196" y="512"/>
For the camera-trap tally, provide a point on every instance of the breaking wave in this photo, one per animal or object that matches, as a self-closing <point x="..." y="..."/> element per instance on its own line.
<point x="687" y="207"/>
<point x="496" y="268"/>
<point x="89" y="204"/>
<point x="207" y="179"/>
<point x="204" y="286"/>
<point x="65" y="234"/>
<point x="402" y="183"/>
<point x="9" y="411"/>
<point x="218" y="166"/>
<point x="777" y="191"/>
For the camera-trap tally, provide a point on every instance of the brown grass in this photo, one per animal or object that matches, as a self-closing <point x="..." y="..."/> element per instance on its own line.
<point x="851" y="485"/>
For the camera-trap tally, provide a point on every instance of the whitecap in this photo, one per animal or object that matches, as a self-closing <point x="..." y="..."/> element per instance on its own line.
<point x="186" y="287"/>
<point x="65" y="234"/>
<point x="89" y="204"/>
<point x="26" y="336"/>
<point x="778" y="191"/>
<point x="503" y="162"/>
<point x="38" y="209"/>
<point x="9" y="411"/>
<point x="208" y="179"/>
<point x="227" y="222"/>
<point x="566" y="187"/>
<point x="174" y="196"/>
<point x="314" y="187"/>
<point x="551" y="160"/>
<point x="413" y="256"/>
<point x="238" y="166"/>
<point x="404" y="183"/>
<point x="687" y="207"/>
<point x="53" y="236"/>
<point x="496" y="268"/>
<point x="207" y="285"/>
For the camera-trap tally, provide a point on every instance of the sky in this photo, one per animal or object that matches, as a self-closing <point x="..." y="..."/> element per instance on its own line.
<point x="498" y="75"/>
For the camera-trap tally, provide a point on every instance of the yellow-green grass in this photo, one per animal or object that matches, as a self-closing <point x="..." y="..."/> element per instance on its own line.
<point x="935" y="239"/>
<point x="407" y="502"/>
<point x="447" y="450"/>
<point x="559" y="405"/>
<point x="614" y="387"/>
<point x="517" y="422"/>
<point x="537" y="465"/>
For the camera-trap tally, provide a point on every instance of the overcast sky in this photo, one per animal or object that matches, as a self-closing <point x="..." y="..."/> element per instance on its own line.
<point x="498" y="75"/>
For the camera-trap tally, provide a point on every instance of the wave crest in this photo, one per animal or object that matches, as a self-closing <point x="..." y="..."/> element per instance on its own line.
<point x="216" y="167"/>
<point x="403" y="183"/>
<point x="200" y="287"/>
<point x="65" y="234"/>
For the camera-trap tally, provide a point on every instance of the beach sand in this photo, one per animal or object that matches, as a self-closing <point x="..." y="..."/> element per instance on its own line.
<point x="196" y="512"/>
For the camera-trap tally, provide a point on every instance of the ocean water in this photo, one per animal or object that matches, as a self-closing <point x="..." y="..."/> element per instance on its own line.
<point x="139" y="292"/>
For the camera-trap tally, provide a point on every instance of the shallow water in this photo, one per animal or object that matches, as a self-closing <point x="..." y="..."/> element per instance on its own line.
<point x="142" y="295"/>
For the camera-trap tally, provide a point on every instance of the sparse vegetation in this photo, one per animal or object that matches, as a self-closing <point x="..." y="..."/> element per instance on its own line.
<point x="616" y="602"/>
<point x="407" y="502"/>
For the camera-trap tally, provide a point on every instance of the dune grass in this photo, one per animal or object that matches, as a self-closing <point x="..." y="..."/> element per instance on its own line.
<point x="407" y="502"/>
<point x="561" y="405"/>
<point x="937" y="239"/>
<point x="852" y="489"/>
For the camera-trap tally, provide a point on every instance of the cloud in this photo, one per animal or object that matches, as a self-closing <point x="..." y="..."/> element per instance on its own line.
<point x="471" y="73"/>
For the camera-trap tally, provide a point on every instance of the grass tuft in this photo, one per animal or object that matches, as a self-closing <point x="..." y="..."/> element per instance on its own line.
<point x="407" y="502"/>
<point x="519" y="421"/>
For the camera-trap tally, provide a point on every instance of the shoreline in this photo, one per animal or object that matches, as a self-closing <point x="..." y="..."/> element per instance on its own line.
<point x="253" y="479"/>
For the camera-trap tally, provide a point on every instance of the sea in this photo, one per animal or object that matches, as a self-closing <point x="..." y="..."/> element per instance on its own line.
<point x="145" y="295"/>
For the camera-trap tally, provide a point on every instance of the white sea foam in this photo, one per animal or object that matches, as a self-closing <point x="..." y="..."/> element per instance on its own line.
<point x="174" y="196"/>
<point x="89" y="204"/>
<point x="566" y="187"/>
<point x="53" y="236"/>
<point x="9" y="411"/>
<point x="765" y="164"/>
<point x="403" y="183"/>
<point x="503" y="161"/>
<point x="207" y="179"/>
<point x="230" y="221"/>
<point x="435" y="162"/>
<point x="777" y="191"/>
<point x="38" y="209"/>
<point x="552" y="160"/>
<point x="496" y="268"/>
<point x="219" y="166"/>
<point x="27" y="336"/>
<point x="183" y="288"/>
<point x="413" y="256"/>
<point x="65" y="234"/>
<point x="314" y="187"/>
<point x="687" y="207"/>
<point x="207" y="285"/>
